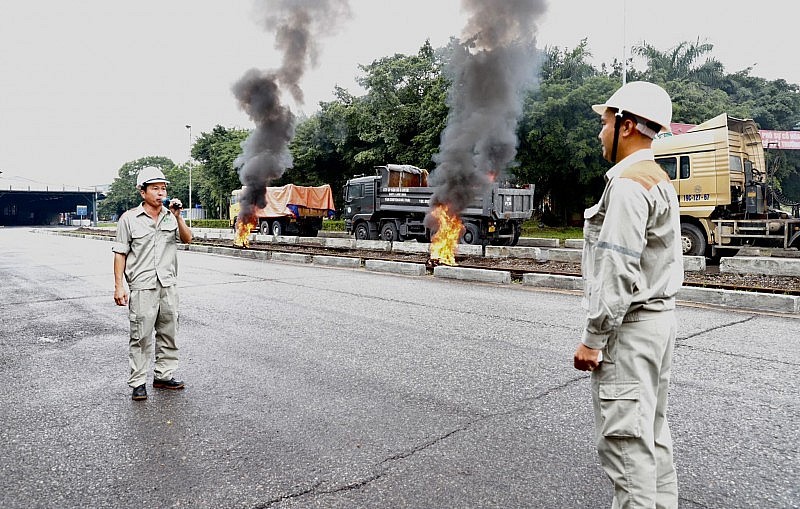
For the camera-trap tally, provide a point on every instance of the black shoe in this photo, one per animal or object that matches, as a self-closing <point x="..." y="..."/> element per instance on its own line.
<point x="168" y="384"/>
<point x="139" y="393"/>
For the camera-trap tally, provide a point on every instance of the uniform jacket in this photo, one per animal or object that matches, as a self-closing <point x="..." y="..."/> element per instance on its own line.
<point x="632" y="257"/>
<point x="150" y="248"/>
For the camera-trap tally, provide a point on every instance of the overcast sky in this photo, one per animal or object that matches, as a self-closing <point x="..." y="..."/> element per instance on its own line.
<point x="86" y="86"/>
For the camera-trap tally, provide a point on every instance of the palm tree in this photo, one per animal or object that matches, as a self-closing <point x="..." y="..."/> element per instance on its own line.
<point x="680" y="63"/>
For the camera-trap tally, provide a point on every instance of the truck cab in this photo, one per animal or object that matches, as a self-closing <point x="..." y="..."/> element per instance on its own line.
<point x="718" y="169"/>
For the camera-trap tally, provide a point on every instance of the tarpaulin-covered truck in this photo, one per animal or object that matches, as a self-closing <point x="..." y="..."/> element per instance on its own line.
<point x="392" y="206"/>
<point x="290" y="210"/>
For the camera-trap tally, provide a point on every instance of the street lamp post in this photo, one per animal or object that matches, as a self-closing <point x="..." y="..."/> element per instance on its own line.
<point x="189" y="127"/>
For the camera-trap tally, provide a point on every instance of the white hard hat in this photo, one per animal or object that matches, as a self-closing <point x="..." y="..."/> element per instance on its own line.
<point x="150" y="175"/>
<point x="642" y="99"/>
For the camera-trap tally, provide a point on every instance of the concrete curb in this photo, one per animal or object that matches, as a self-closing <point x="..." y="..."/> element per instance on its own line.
<point x="513" y="252"/>
<point x="573" y="243"/>
<point x="411" y="247"/>
<point x="694" y="263"/>
<point x="405" y="268"/>
<point x="716" y="297"/>
<point x="374" y="245"/>
<point x="337" y="261"/>
<point x="537" y="242"/>
<point x="561" y="255"/>
<point x="766" y="265"/>
<point x="292" y="257"/>
<point x="479" y="275"/>
<point x="552" y="281"/>
<point x="338" y="243"/>
<point x="742" y="300"/>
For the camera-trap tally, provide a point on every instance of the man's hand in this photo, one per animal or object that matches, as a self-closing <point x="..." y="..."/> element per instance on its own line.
<point x="175" y="206"/>
<point x="120" y="296"/>
<point x="587" y="359"/>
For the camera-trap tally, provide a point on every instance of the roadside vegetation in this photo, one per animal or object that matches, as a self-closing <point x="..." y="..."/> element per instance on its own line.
<point x="403" y="111"/>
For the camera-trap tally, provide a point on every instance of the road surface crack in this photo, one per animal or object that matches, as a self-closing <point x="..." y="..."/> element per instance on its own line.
<point x="384" y="466"/>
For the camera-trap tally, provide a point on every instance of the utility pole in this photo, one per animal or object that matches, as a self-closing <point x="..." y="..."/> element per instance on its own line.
<point x="624" y="43"/>
<point x="189" y="127"/>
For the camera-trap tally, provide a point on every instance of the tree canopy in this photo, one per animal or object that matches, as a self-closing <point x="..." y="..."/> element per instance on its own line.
<point x="403" y="110"/>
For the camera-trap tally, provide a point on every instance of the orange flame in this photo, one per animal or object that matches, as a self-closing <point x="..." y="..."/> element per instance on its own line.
<point x="445" y="240"/>
<point x="243" y="227"/>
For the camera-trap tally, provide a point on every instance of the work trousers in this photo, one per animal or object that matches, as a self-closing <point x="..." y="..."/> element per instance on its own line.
<point x="629" y="392"/>
<point x="151" y="310"/>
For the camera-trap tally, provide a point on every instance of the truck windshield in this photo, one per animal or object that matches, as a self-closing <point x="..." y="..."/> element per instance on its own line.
<point x="670" y="165"/>
<point x="354" y="192"/>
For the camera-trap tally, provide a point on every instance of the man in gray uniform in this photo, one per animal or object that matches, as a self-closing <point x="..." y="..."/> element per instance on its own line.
<point x="632" y="268"/>
<point x="146" y="251"/>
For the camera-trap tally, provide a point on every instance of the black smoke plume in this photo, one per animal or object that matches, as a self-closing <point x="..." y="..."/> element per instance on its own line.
<point x="265" y="153"/>
<point x="492" y="65"/>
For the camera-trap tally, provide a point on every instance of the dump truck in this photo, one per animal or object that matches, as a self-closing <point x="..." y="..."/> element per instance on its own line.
<point x="726" y="202"/>
<point x="290" y="210"/>
<point x="391" y="205"/>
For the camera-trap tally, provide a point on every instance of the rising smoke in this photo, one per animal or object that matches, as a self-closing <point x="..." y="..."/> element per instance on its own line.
<point x="265" y="153"/>
<point x="494" y="63"/>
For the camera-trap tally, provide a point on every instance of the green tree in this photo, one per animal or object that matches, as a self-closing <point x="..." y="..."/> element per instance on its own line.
<point x="559" y="150"/>
<point x="563" y="64"/>
<point x="123" y="194"/>
<point x="680" y="63"/>
<point x="214" y="177"/>
<point x="401" y="91"/>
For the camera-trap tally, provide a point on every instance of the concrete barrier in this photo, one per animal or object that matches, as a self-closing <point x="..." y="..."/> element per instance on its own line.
<point x="337" y="261"/>
<point x="332" y="234"/>
<point x="469" y="250"/>
<point x="694" y="263"/>
<point x="561" y="255"/>
<point x="374" y="245"/>
<point x="553" y="281"/>
<point x="573" y="243"/>
<point x="285" y="239"/>
<point x="513" y="252"/>
<point x="292" y="257"/>
<point x="411" y="247"/>
<point x="741" y="300"/>
<point x="480" y="275"/>
<point x="340" y="243"/>
<point x="766" y="265"/>
<point x="405" y="268"/>
<point x="311" y="241"/>
<point x="538" y="242"/>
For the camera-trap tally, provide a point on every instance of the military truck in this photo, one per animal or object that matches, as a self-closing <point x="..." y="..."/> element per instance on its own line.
<point x="290" y="209"/>
<point x="719" y="172"/>
<point x="391" y="205"/>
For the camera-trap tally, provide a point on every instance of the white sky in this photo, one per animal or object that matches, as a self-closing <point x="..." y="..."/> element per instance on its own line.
<point x="87" y="86"/>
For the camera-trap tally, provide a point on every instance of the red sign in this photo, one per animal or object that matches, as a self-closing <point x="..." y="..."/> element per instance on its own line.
<point x="785" y="140"/>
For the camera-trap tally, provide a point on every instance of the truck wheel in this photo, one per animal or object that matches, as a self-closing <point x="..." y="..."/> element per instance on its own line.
<point x="471" y="234"/>
<point x="264" y="227"/>
<point x="389" y="232"/>
<point x="362" y="231"/>
<point x="277" y="228"/>
<point x="693" y="241"/>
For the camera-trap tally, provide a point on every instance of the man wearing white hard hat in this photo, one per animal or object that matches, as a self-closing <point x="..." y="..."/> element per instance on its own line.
<point x="632" y="267"/>
<point x="146" y="253"/>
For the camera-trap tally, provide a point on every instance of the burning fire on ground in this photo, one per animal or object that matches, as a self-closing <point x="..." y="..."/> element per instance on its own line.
<point x="243" y="227"/>
<point x="445" y="240"/>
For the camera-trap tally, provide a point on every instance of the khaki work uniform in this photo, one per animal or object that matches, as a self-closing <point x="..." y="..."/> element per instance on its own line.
<point x="632" y="268"/>
<point x="151" y="269"/>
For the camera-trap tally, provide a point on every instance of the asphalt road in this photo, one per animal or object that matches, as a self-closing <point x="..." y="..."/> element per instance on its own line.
<point x="334" y="388"/>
